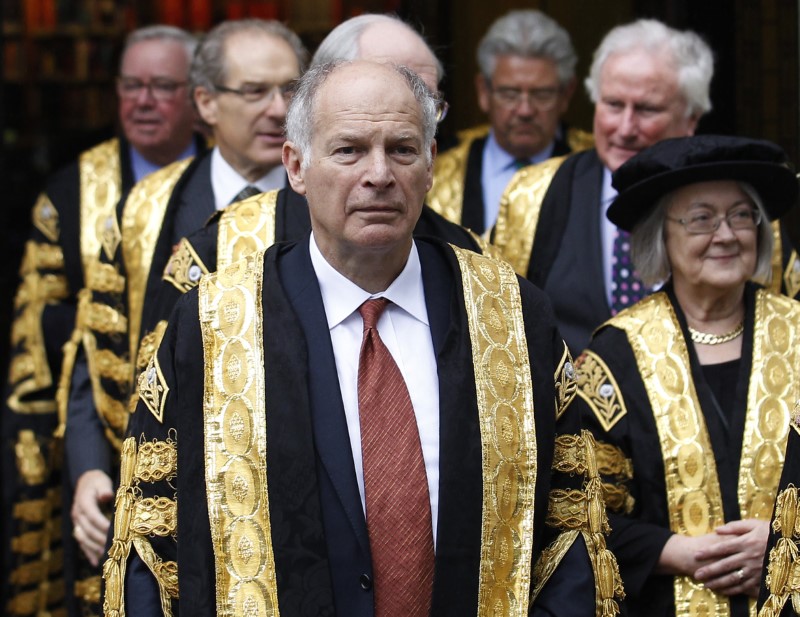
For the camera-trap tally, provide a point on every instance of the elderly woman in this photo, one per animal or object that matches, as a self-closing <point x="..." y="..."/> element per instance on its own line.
<point x="689" y="392"/>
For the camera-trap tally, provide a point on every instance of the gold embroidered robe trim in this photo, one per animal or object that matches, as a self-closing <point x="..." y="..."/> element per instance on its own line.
<point x="153" y="389"/>
<point x="446" y="195"/>
<point x="101" y="190"/>
<point x="777" y="258"/>
<point x="566" y="384"/>
<point x="597" y="386"/>
<point x="505" y="399"/>
<point x="135" y="518"/>
<point x="184" y="267"/>
<point x="142" y="218"/>
<point x="520" y="207"/>
<point x="693" y="491"/>
<point x="45" y="218"/>
<point x="234" y="411"/>
<point x="246" y="227"/>
<point x="791" y="277"/>
<point x="105" y="279"/>
<point x="783" y="569"/>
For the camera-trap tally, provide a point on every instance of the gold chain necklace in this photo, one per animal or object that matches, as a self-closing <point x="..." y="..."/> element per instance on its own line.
<point x="705" y="338"/>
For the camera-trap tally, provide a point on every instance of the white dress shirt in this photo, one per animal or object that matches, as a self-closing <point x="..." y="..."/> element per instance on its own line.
<point x="607" y="230"/>
<point x="227" y="183"/>
<point x="405" y="330"/>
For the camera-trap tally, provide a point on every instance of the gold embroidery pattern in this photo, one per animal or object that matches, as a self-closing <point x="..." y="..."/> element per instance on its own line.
<point x="136" y="518"/>
<point x="30" y="461"/>
<point x="105" y="279"/>
<point x="583" y="511"/>
<point x="449" y="171"/>
<point x="88" y="589"/>
<point x="45" y="218"/>
<point x="101" y="189"/>
<point x="693" y="492"/>
<point x="153" y="389"/>
<point x="519" y="212"/>
<point x="184" y="267"/>
<point x="508" y="433"/>
<point x="29" y="369"/>
<point x="566" y="383"/>
<point x="791" y="277"/>
<point x="771" y="395"/>
<point x="142" y="217"/>
<point x="111" y="366"/>
<point x="246" y="227"/>
<point x="611" y="461"/>
<point x="235" y="458"/>
<point x="579" y="140"/>
<point x="30" y="511"/>
<point x="597" y="386"/>
<point x="783" y="569"/>
<point x="149" y="345"/>
<point x="777" y="258"/>
<point x="101" y="318"/>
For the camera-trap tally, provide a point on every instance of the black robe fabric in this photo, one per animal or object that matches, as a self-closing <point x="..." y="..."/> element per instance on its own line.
<point x="638" y="539"/>
<point x="307" y="584"/>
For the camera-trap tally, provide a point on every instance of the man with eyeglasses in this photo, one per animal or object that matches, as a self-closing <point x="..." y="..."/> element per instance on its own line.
<point x="238" y="81"/>
<point x="526" y="81"/>
<point x="74" y="221"/>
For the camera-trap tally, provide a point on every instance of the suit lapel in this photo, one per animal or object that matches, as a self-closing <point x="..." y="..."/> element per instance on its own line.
<point x="332" y="440"/>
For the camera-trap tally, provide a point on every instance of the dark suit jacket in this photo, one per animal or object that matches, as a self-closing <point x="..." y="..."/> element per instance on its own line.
<point x="567" y="256"/>
<point x="318" y="529"/>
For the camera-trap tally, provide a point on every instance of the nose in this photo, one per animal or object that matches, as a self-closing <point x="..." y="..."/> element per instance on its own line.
<point x="277" y="105"/>
<point x="724" y="231"/>
<point x="525" y="106"/>
<point x="145" y="95"/>
<point x="628" y="124"/>
<point x="378" y="173"/>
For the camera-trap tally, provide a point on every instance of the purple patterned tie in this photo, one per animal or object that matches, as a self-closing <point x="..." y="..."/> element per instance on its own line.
<point x="395" y="482"/>
<point x="626" y="288"/>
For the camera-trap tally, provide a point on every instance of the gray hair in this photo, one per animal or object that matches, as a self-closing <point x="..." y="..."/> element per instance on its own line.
<point x="161" y="33"/>
<point x="691" y="58"/>
<point x="302" y="107"/>
<point x="342" y="43"/>
<point x="208" y="67"/>
<point x="649" y="250"/>
<point x="530" y="34"/>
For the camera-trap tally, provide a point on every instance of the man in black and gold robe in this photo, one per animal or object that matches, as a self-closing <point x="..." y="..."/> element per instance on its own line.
<point x="74" y="223"/>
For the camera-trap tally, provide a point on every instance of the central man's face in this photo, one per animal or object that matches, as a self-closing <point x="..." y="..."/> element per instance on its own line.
<point x="368" y="172"/>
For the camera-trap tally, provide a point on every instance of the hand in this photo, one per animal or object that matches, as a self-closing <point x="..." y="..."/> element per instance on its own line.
<point x="680" y="554"/>
<point x="90" y="525"/>
<point x="737" y="559"/>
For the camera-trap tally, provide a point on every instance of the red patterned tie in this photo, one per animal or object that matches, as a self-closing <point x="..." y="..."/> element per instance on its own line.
<point x="395" y="483"/>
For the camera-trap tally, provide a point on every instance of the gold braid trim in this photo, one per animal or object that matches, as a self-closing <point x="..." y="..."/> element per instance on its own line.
<point x="42" y="256"/>
<point x="104" y="278"/>
<point x="246" y="227"/>
<point x="149" y="345"/>
<point x="45" y="217"/>
<point x="579" y="140"/>
<point x="449" y="172"/>
<point x="30" y="602"/>
<point x="235" y="437"/>
<point x="611" y="461"/>
<point x="597" y="386"/>
<point x="101" y="190"/>
<point x="153" y="389"/>
<point x="184" y="268"/>
<point x="504" y="392"/>
<point x="783" y="569"/>
<point x="111" y="366"/>
<point x="88" y="589"/>
<point x="777" y="258"/>
<point x="31" y="465"/>
<point x="566" y="383"/>
<point x="520" y="208"/>
<point x="142" y="218"/>
<point x="135" y="518"/>
<point x="147" y="356"/>
<point x="101" y="318"/>
<point x="791" y="276"/>
<point x="31" y="511"/>
<point x="581" y="511"/>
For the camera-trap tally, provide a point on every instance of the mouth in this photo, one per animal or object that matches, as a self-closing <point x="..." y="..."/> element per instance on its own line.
<point x="271" y="138"/>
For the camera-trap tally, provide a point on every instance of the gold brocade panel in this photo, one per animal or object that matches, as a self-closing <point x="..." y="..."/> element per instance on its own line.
<point x="246" y="227"/>
<point x="508" y="435"/>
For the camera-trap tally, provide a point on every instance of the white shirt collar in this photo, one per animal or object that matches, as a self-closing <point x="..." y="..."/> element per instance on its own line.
<point x="226" y="182"/>
<point x="342" y="297"/>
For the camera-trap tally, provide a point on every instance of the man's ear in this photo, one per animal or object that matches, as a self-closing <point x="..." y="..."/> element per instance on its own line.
<point x="293" y="162"/>
<point x="206" y="104"/>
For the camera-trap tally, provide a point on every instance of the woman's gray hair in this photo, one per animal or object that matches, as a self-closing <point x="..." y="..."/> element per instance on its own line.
<point x="342" y="43"/>
<point x="162" y="33"/>
<point x="208" y="67"/>
<point x="649" y="249"/>
<point x="691" y="58"/>
<point x="300" y="117"/>
<point x="530" y="34"/>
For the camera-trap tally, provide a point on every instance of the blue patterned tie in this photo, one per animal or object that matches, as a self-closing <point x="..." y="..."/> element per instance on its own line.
<point x="626" y="287"/>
